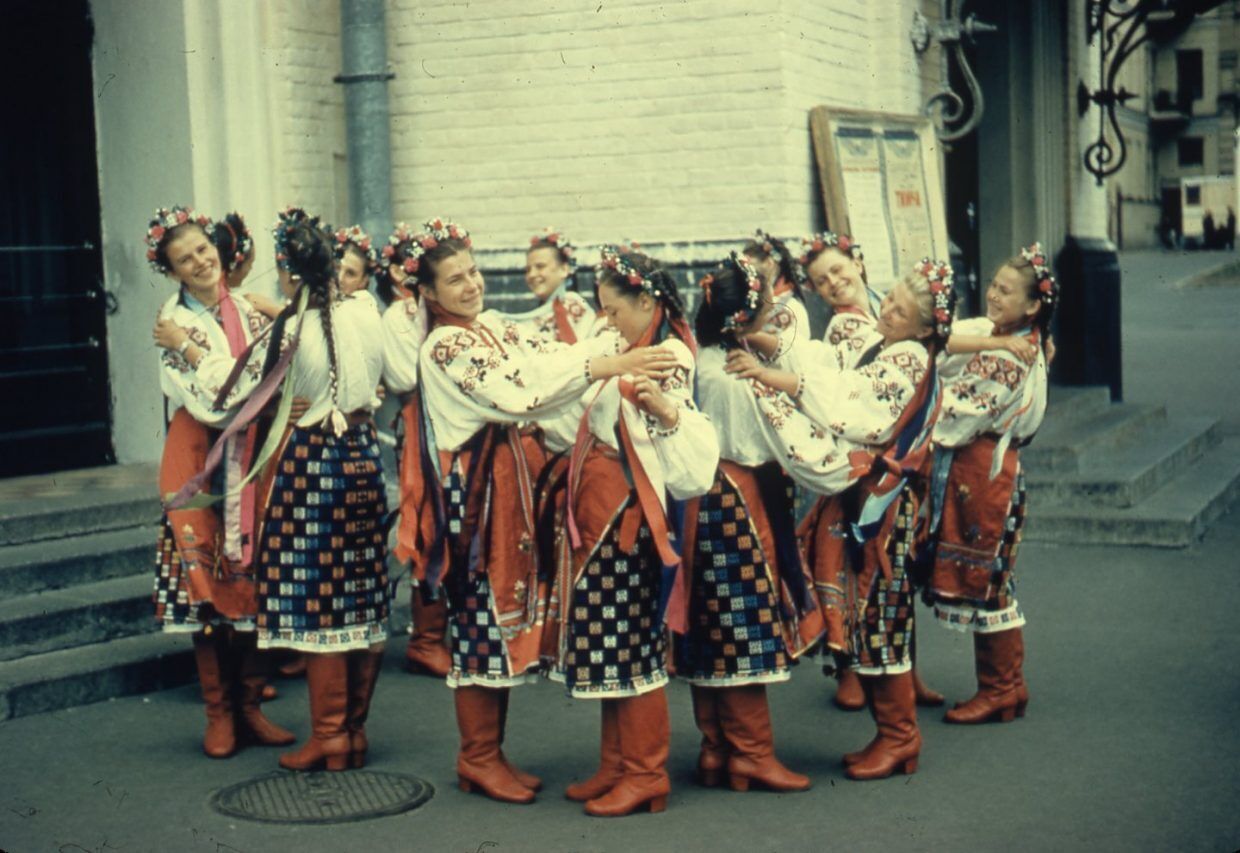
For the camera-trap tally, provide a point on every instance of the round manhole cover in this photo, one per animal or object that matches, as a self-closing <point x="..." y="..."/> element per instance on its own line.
<point x="322" y="797"/>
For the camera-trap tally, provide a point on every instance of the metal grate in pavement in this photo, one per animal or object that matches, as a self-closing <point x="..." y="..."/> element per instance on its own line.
<point x="322" y="797"/>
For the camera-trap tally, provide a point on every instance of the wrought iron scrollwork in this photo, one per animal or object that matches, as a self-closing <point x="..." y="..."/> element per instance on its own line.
<point x="950" y="112"/>
<point x="1121" y="27"/>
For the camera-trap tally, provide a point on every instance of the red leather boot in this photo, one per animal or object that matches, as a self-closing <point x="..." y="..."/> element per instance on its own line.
<point x="212" y="658"/>
<point x="998" y="697"/>
<point x="364" y="667"/>
<point x="713" y="757"/>
<point x="899" y="741"/>
<point x="426" y="652"/>
<point x="478" y="765"/>
<point x="610" y="760"/>
<point x="746" y="719"/>
<point x="252" y="724"/>
<point x="644" y="737"/>
<point x="327" y="677"/>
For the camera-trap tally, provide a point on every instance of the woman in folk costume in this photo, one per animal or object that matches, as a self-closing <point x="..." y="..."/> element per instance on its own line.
<point x="562" y="313"/>
<point x="993" y="403"/>
<point x="784" y="277"/>
<point x="322" y="580"/>
<point x="864" y="433"/>
<point x="404" y="329"/>
<point x="480" y="379"/>
<point x="834" y="266"/>
<point x="752" y="607"/>
<point x="205" y="578"/>
<point x="639" y="441"/>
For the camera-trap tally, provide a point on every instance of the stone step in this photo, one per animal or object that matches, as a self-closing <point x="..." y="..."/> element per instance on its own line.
<point x="1126" y="472"/>
<point x="88" y="613"/>
<point x="59" y="563"/>
<point x="1175" y="516"/>
<point x="73" y="503"/>
<point x="1069" y="436"/>
<point x="56" y="518"/>
<point x="92" y="673"/>
<point x="1078" y="401"/>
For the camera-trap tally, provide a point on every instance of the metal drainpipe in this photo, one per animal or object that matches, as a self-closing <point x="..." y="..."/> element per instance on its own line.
<point x="367" y="123"/>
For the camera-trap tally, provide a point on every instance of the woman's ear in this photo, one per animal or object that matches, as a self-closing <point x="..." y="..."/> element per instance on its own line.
<point x="427" y="292"/>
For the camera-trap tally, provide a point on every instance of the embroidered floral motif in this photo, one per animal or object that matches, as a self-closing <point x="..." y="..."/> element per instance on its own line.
<point x="1007" y="372"/>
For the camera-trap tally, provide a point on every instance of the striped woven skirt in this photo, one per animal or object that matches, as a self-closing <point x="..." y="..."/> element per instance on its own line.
<point x="322" y="572"/>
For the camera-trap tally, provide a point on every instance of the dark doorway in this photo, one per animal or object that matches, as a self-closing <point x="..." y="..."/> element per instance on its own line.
<point x="53" y="353"/>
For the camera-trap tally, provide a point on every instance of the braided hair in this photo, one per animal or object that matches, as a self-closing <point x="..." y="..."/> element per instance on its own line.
<point x="763" y="247"/>
<point x="310" y="257"/>
<point x="232" y="238"/>
<point x="632" y="273"/>
<point x="732" y="297"/>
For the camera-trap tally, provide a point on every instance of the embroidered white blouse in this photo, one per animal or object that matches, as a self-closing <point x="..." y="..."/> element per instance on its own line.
<point x="989" y="392"/>
<point x="469" y="381"/>
<point x="195" y="389"/>
<point x="357" y="331"/>
<point x="681" y="460"/>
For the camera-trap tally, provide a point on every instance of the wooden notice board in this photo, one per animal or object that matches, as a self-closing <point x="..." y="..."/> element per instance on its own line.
<point x="882" y="183"/>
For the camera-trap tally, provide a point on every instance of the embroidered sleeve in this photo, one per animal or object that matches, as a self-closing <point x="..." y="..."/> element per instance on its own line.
<point x="862" y="405"/>
<point x="976" y="399"/>
<point x="689" y="452"/>
<point x="196" y="388"/>
<point x="813" y="456"/>
<point x="518" y="383"/>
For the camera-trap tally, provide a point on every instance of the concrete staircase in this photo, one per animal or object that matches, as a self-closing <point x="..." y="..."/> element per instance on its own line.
<point x="1126" y="473"/>
<point x="77" y="553"/>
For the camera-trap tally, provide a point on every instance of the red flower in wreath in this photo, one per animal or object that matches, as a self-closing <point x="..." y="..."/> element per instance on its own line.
<point x="411" y="265"/>
<point x="429" y="243"/>
<point x="844" y="243"/>
<point x="158" y="232"/>
<point x="388" y="251"/>
<point x="941" y="315"/>
<point x="1045" y="285"/>
<point x="1039" y="261"/>
<point x="635" y="279"/>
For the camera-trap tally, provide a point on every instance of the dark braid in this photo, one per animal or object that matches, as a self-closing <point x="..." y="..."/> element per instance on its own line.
<point x="765" y="246"/>
<point x="311" y="258"/>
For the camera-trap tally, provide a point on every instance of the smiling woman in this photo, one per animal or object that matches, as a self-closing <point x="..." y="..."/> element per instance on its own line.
<point x="205" y="568"/>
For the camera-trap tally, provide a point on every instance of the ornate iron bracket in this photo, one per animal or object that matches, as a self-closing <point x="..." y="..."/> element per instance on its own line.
<point x="1121" y="27"/>
<point x="946" y="107"/>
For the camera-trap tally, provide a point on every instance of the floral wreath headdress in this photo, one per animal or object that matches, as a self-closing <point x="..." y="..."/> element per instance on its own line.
<point x="816" y="244"/>
<point x="941" y="279"/>
<point x="397" y="244"/>
<point x="359" y="239"/>
<point x="615" y="258"/>
<point x="287" y="220"/>
<point x="1048" y="287"/>
<point x="434" y="232"/>
<point x="165" y="219"/>
<point x="242" y="238"/>
<point x="771" y="246"/>
<point x="559" y="241"/>
<point x="744" y="315"/>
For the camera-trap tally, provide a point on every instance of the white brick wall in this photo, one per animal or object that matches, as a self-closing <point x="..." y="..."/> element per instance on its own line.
<point x="302" y="56"/>
<point x="654" y="121"/>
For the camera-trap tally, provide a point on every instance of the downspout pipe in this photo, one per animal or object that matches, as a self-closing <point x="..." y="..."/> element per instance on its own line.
<point x="365" y="79"/>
